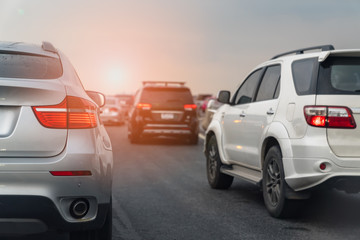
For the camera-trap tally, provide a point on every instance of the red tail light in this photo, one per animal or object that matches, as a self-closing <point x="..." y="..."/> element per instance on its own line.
<point x="113" y="109"/>
<point x="72" y="112"/>
<point x="329" y="116"/>
<point x="144" y="106"/>
<point x="190" y="107"/>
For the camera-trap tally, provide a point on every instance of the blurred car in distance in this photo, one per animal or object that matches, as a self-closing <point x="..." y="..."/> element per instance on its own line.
<point x="163" y="109"/>
<point x="52" y="147"/>
<point x="211" y="108"/>
<point x="126" y="101"/>
<point x="204" y="103"/>
<point x="112" y="112"/>
<point x="199" y="100"/>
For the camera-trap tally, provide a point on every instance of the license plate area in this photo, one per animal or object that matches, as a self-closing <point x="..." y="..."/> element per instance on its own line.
<point x="8" y="119"/>
<point x="167" y="116"/>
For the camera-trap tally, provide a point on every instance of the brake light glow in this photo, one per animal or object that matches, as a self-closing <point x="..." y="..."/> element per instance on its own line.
<point x="329" y="116"/>
<point x="71" y="113"/>
<point x="144" y="106"/>
<point x="113" y="110"/>
<point x="190" y="107"/>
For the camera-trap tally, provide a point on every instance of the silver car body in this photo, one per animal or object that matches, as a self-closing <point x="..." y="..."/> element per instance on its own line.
<point x="35" y="160"/>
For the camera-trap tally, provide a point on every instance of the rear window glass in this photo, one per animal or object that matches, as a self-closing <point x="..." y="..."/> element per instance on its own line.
<point x="340" y="76"/>
<point x="167" y="97"/>
<point x="29" y="66"/>
<point x="304" y="73"/>
<point x="111" y="101"/>
<point x="345" y="77"/>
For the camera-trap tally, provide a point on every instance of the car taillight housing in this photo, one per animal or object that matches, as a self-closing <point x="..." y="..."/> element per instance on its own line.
<point x="329" y="116"/>
<point x="113" y="110"/>
<point x="190" y="107"/>
<point x="71" y="113"/>
<point x="144" y="106"/>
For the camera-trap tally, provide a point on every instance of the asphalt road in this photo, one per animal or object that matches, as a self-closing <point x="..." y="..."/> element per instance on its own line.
<point x="161" y="193"/>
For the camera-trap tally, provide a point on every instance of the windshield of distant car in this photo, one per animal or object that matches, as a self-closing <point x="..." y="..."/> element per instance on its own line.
<point x="14" y="65"/>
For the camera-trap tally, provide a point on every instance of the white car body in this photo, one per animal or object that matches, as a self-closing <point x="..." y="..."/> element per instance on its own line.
<point x="244" y="132"/>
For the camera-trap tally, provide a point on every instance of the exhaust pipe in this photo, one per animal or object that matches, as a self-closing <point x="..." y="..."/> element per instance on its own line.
<point x="79" y="208"/>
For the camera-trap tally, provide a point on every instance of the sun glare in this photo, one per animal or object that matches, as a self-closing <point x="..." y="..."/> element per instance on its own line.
<point x="115" y="76"/>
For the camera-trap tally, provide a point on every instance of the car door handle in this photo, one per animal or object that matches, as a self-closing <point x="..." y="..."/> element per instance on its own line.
<point x="242" y="114"/>
<point x="270" y="112"/>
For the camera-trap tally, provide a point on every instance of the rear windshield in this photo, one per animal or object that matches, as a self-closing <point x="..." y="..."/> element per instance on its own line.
<point x="167" y="97"/>
<point x="29" y="66"/>
<point x="340" y="76"/>
<point x="111" y="101"/>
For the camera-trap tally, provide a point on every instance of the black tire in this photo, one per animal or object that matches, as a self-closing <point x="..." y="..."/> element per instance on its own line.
<point x="104" y="233"/>
<point x="275" y="187"/>
<point x="215" y="178"/>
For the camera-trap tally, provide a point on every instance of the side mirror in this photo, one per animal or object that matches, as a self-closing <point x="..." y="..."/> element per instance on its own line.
<point x="97" y="97"/>
<point x="224" y="96"/>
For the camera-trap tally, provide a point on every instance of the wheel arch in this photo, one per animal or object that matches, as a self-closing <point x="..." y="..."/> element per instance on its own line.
<point x="276" y="135"/>
<point x="215" y="129"/>
<point x="267" y="144"/>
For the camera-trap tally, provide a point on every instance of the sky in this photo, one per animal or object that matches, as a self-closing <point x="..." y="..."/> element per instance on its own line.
<point x="210" y="44"/>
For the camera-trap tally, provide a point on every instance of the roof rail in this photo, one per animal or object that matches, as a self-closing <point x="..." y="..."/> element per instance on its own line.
<point x="302" y="50"/>
<point x="163" y="83"/>
<point x="47" y="46"/>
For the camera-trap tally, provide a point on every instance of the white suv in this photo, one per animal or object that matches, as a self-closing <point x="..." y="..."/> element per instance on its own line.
<point x="290" y="126"/>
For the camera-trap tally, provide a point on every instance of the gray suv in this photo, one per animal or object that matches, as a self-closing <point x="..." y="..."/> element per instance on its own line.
<point x="55" y="155"/>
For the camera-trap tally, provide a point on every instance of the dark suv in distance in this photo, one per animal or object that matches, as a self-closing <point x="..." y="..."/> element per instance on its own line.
<point x="163" y="109"/>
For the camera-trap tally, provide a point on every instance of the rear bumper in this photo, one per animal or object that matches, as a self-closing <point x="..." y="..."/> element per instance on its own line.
<point x="112" y="119"/>
<point x="22" y="215"/>
<point x="167" y="129"/>
<point x="160" y="129"/>
<point x="302" y="166"/>
<point x="302" y="174"/>
<point x="32" y="200"/>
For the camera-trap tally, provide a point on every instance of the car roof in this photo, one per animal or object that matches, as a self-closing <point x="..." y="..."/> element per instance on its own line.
<point x="46" y="49"/>
<point x="164" y="85"/>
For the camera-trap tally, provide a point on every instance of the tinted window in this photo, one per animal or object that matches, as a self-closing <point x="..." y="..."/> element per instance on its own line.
<point x="269" y="83"/>
<point x="29" y="66"/>
<point x="340" y="76"/>
<point x="303" y="74"/>
<point x="246" y="91"/>
<point x="345" y="77"/>
<point x="167" y="97"/>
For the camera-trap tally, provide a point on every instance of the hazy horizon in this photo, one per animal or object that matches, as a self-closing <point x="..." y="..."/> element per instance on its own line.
<point x="209" y="44"/>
